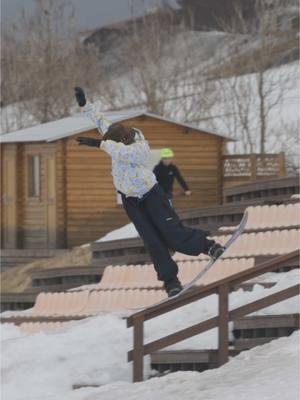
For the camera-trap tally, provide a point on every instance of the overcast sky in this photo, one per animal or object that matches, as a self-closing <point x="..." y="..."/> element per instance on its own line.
<point x="90" y="13"/>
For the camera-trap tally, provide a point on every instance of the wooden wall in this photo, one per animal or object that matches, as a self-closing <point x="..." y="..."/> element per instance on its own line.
<point x="92" y="208"/>
<point x="78" y="202"/>
<point x="9" y="196"/>
<point x="38" y="220"/>
<point x="29" y="222"/>
<point x="61" y="193"/>
<point x="198" y="156"/>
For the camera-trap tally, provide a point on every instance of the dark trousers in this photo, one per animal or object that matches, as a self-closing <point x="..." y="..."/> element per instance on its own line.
<point x="161" y="229"/>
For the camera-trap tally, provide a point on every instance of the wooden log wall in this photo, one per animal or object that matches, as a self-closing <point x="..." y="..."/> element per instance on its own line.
<point x="36" y="223"/>
<point x="91" y="200"/>
<point x="61" y="193"/>
<point x="197" y="154"/>
<point x="9" y="196"/>
<point x="77" y="201"/>
<point x="92" y="208"/>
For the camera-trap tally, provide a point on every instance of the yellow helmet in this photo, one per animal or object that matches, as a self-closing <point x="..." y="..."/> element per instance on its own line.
<point x="166" y="153"/>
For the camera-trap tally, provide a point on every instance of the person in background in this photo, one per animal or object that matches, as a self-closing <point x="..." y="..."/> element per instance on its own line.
<point x="166" y="171"/>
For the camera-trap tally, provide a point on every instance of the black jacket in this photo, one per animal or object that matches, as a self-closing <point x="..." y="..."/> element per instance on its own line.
<point x="165" y="175"/>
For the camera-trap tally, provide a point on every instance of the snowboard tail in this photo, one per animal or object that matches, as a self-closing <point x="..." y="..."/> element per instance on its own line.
<point x="211" y="262"/>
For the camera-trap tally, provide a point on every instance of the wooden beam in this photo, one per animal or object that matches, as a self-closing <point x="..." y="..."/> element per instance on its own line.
<point x="264" y="302"/>
<point x="212" y="288"/>
<point x="223" y="325"/>
<point x="177" y="337"/>
<point x="137" y="354"/>
<point x="17" y="320"/>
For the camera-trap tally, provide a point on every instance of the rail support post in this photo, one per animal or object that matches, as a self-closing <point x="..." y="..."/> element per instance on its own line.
<point x="253" y="167"/>
<point x="138" y="351"/>
<point x="223" y="325"/>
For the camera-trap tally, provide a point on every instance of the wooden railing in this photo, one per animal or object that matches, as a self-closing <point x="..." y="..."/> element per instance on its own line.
<point x="222" y="288"/>
<point x="251" y="167"/>
<point x="269" y="190"/>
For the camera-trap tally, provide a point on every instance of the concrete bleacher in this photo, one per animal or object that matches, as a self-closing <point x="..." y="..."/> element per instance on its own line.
<point x="131" y="286"/>
<point x="270" y="217"/>
<point x="210" y="219"/>
<point x="271" y="230"/>
<point x="266" y="224"/>
<point x="270" y="190"/>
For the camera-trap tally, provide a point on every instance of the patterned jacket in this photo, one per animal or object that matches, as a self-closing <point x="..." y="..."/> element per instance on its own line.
<point x="130" y="172"/>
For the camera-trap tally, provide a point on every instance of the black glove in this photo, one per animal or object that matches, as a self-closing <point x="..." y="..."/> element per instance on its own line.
<point x="80" y="96"/>
<point x="89" y="141"/>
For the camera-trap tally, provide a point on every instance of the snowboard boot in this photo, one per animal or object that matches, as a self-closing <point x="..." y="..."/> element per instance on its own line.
<point x="215" y="251"/>
<point x="173" y="287"/>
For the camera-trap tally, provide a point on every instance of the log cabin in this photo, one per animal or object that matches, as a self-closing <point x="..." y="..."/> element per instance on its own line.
<point x="56" y="194"/>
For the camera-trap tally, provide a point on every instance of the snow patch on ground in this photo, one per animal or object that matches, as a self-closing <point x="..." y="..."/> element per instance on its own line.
<point x="94" y="350"/>
<point x="268" y="372"/>
<point x="125" y="232"/>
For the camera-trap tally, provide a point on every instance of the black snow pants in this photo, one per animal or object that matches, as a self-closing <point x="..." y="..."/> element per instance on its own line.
<point x="161" y="229"/>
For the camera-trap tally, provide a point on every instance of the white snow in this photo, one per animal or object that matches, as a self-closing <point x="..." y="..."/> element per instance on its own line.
<point x="45" y="367"/>
<point x="125" y="232"/>
<point x="282" y="84"/>
<point x="61" y="128"/>
<point x="270" y="372"/>
<point x="94" y="350"/>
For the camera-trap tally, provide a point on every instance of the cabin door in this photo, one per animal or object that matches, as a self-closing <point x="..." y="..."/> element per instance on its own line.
<point x="9" y="198"/>
<point x="51" y="214"/>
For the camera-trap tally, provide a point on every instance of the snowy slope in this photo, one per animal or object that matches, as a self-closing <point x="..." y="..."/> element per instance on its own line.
<point x="269" y="372"/>
<point x="93" y="351"/>
<point x="282" y="86"/>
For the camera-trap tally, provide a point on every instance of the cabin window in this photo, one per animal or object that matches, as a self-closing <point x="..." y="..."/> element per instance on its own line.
<point x="34" y="176"/>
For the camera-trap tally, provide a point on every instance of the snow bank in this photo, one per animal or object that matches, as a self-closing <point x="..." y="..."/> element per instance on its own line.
<point x="269" y="372"/>
<point x="44" y="365"/>
<point x="94" y="351"/>
<point x="125" y="232"/>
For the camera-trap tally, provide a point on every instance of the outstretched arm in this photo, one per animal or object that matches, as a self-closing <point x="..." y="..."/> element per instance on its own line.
<point x="91" y="112"/>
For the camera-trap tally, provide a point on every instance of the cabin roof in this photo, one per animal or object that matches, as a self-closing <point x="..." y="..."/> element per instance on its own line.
<point x="78" y="123"/>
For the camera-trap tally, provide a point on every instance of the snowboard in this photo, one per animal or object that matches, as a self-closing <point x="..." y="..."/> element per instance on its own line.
<point x="239" y="230"/>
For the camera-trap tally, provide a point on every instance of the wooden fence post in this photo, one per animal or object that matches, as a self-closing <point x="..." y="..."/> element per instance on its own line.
<point x="253" y="167"/>
<point x="223" y="324"/>
<point x="281" y="166"/>
<point x="138" y="353"/>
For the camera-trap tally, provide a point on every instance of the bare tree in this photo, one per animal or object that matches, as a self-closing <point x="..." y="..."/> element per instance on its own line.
<point x="288" y="143"/>
<point x="42" y="61"/>
<point x="255" y="95"/>
<point x="163" y="75"/>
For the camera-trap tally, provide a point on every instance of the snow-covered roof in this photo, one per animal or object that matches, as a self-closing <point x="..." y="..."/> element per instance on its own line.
<point x="51" y="131"/>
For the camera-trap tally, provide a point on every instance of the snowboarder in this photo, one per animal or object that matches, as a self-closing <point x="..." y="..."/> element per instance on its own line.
<point x="166" y="171"/>
<point x="145" y="203"/>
